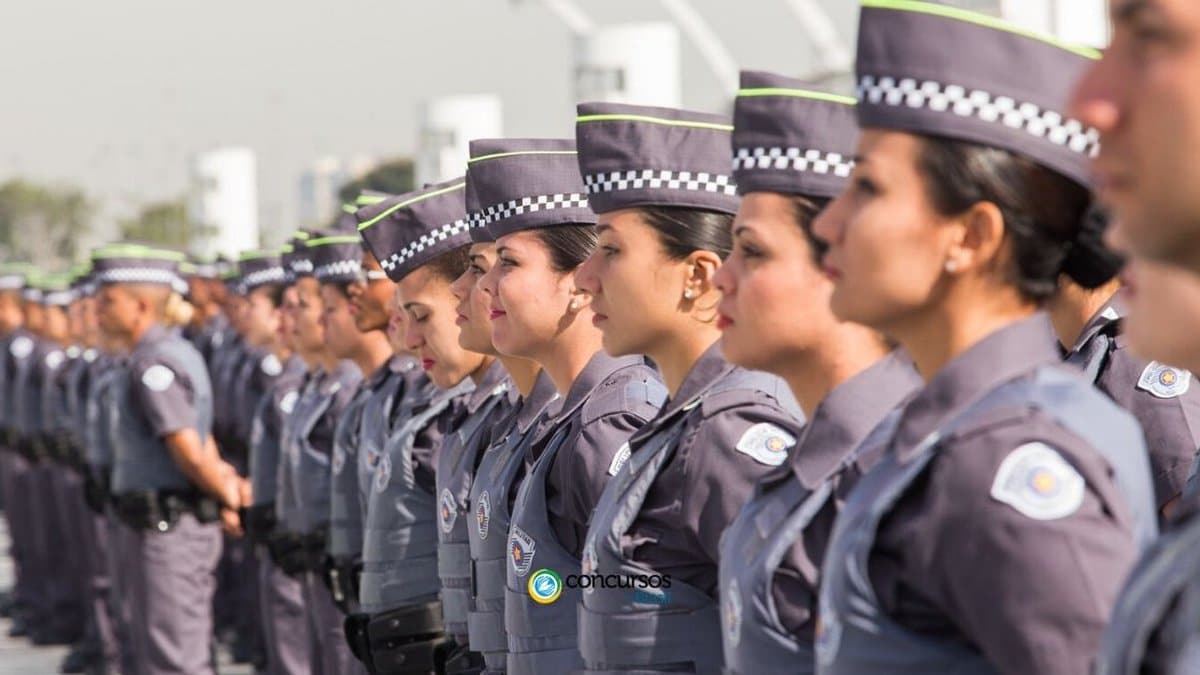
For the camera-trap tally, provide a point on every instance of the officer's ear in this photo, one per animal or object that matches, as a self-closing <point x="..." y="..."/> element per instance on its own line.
<point x="700" y="268"/>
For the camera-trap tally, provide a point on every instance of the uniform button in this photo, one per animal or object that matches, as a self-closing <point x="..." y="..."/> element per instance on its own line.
<point x="162" y="526"/>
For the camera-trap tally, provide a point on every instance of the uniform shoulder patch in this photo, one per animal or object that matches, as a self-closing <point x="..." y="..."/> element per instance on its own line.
<point x="54" y="359"/>
<point x="158" y="377"/>
<point x="1164" y="381"/>
<point x="766" y="443"/>
<point x="1035" y="480"/>
<point x="619" y="459"/>
<point x="21" y="347"/>
<point x="288" y="403"/>
<point x="270" y="365"/>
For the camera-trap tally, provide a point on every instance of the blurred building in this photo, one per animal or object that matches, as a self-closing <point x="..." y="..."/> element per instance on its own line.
<point x="637" y="63"/>
<point x="223" y="195"/>
<point x="319" y="185"/>
<point x="447" y="125"/>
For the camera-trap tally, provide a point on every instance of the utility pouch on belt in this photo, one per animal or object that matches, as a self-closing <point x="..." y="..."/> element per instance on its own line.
<point x="287" y="552"/>
<point x="409" y="640"/>
<point x="259" y="521"/>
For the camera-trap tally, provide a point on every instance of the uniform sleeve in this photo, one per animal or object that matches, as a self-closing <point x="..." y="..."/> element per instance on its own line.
<point x="1031" y="592"/>
<point x="1170" y="421"/>
<point x="724" y="458"/>
<point x="164" y="394"/>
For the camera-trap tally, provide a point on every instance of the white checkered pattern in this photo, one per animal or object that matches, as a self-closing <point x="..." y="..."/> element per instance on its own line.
<point x="58" y="298"/>
<point x="140" y="275"/>
<point x="12" y="283"/>
<point x="337" y="268"/>
<point x="795" y="159"/>
<point x="302" y="266"/>
<point x="516" y="207"/>
<point x="270" y="275"/>
<point x="637" y="179"/>
<point x="1048" y="124"/>
<point x="428" y="239"/>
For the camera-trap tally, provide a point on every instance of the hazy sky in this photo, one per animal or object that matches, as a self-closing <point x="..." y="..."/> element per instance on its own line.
<point x="115" y="95"/>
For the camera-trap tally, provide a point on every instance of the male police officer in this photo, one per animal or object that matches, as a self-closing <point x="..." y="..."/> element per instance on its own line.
<point x="169" y="485"/>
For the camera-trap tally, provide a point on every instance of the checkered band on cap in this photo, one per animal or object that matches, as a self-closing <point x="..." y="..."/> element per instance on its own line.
<point x="633" y="156"/>
<point x="262" y="277"/>
<point x="137" y="275"/>
<point x="790" y="139"/>
<point x="58" y="298"/>
<point x="524" y="183"/>
<point x="410" y="230"/>
<point x="336" y="258"/>
<point x="31" y="294"/>
<point x="981" y="80"/>
<point x="12" y="282"/>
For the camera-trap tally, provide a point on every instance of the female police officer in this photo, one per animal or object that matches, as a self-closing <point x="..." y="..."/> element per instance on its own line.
<point x="659" y="181"/>
<point x="1012" y="497"/>
<point x="792" y="152"/>
<point x="531" y="197"/>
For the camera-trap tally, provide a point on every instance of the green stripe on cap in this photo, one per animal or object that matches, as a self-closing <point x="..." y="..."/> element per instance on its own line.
<point x="349" y="208"/>
<point x="409" y="202"/>
<point x="797" y="93"/>
<point x="255" y="255"/>
<point x="301" y="235"/>
<point x="286" y="249"/>
<point x="518" y="153"/>
<point x="366" y="200"/>
<point x="584" y="119"/>
<point x="981" y="20"/>
<point x="335" y="239"/>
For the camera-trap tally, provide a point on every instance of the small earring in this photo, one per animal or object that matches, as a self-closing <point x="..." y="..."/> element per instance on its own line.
<point x="574" y="306"/>
<point x="951" y="265"/>
<point x="687" y="294"/>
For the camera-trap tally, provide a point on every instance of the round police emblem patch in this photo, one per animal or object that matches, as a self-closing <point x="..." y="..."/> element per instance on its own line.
<point x="54" y="359"/>
<point x="545" y="586"/>
<point x="483" y="514"/>
<point x="383" y="474"/>
<point x="271" y="366"/>
<point x="288" y="403"/>
<point x="521" y="546"/>
<point x="447" y="511"/>
<point x="158" y="377"/>
<point x="21" y="346"/>
<point x="766" y="443"/>
<point x="1035" y="480"/>
<point x="1164" y="381"/>
<point x="733" y="614"/>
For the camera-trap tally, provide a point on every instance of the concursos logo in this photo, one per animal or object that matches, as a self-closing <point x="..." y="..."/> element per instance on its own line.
<point x="545" y="586"/>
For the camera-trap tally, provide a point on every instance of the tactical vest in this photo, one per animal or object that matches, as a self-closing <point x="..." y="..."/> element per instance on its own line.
<point x="456" y="467"/>
<point x="310" y="471"/>
<point x="650" y="628"/>
<point x="1160" y="596"/>
<point x="856" y="635"/>
<point x="495" y="479"/>
<point x="345" y="518"/>
<point x="143" y="461"/>
<point x="400" y="531"/>
<point x="103" y="411"/>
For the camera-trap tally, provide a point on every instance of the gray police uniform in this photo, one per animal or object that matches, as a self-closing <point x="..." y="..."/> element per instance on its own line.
<point x="609" y="400"/>
<point x="1155" y="626"/>
<point x="281" y="597"/>
<point x="490" y="403"/>
<point x="492" y="492"/>
<point x="309" y="452"/>
<point x="771" y="554"/>
<point x="1006" y="455"/>
<point x="364" y="423"/>
<point x="677" y="483"/>
<point x="1159" y="396"/>
<point x="19" y="507"/>
<point x="172" y="555"/>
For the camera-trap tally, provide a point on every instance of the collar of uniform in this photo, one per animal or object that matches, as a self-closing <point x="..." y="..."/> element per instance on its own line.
<point x="1112" y="311"/>
<point x="1006" y="354"/>
<point x="402" y="363"/>
<point x="706" y="371"/>
<point x="153" y="334"/>
<point x="848" y="413"/>
<point x="593" y="374"/>
<point x="542" y="394"/>
<point x="377" y="376"/>
<point x="493" y="382"/>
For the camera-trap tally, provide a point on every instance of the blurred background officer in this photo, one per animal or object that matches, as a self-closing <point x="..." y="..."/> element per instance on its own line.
<point x="420" y="242"/>
<point x="540" y="312"/>
<point x="169" y="486"/>
<point x="680" y="479"/>
<point x="792" y="151"/>
<point x="308" y="448"/>
<point x="953" y="231"/>
<point x="1090" y="326"/>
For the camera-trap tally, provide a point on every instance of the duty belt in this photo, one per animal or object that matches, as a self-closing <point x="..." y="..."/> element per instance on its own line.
<point x="405" y="641"/>
<point x="160" y="510"/>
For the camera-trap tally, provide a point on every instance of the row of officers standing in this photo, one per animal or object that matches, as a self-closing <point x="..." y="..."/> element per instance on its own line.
<point x="863" y="403"/>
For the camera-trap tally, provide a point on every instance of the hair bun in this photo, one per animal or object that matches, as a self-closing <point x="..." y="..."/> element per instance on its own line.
<point x="1089" y="262"/>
